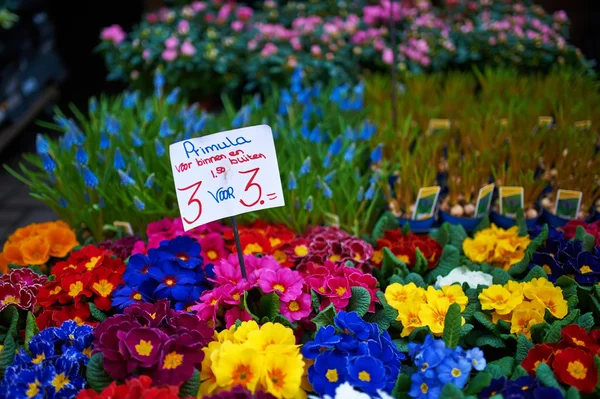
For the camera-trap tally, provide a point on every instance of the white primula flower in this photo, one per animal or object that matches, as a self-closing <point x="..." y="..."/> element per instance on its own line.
<point x="347" y="391"/>
<point x="464" y="275"/>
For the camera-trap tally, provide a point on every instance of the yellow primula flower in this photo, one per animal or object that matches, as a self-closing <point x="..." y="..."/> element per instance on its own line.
<point x="455" y="294"/>
<point x="500" y="299"/>
<point x="433" y="314"/>
<point x="272" y="337"/>
<point x="526" y="316"/>
<point x="553" y="300"/>
<point x="208" y="378"/>
<point x="282" y="375"/>
<point x="238" y="365"/>
<point x="398" y="295"/>
<point x="241" y="333"/>
<point x="410" y="318"/>
<point x="502" y="248"/>
<point x="479" y="248"/>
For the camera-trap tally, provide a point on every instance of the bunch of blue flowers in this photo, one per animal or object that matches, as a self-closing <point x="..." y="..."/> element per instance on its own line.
<point x="55" y="368"/>
<point x="522" y="388"/>
<point x="352" y="351"/>
<point x="175" y="271"/>
<point x="438" y="365"/>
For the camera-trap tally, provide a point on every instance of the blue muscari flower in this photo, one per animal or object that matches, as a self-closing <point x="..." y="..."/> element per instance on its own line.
<point x="349" y="154"/>
<point x="305" y="131"/>
<point x="305" y="168"/>
<point x="316" y="90"/>
<point x="48" y="163"/>
<point x="126" y="180"/>
<point x="135" y="139"/>
<point x="140" y="163"/>
<point x="361" y="194"/>
<point x="318" y="183"/>
<point x="477" y="359"/>
<point x="149" y="115"/>
<point x="118" y="162"/>
<point x="370" y="192"/>
<point x="307" y="112"/>
<point x="62" y="122"/>
<point x="81" y="156"/>
<point x="130" y="100"/>
<point x="68" y="140"/>
<point x="159" y="82"/>
<point x="315" y="135"/>
<point x="359" y="89"/>
<point x="256" y="102"/>
<point x="149" y="181"/>
<point x="282" y="109"/>
<point x="93" y="105"/>
<point x="100" y="157"/>
<point x="304" y="96"/>
<point x="296" y="80"/>
<point x="200" y="124"/>
<point x="349" y="134"/>
<point x="368" y="130"/>
<point x="357" y="174"/>
<point x="139" y="204"/>
<point x="172" y="97"/>
<point x="41" y="145"/>
<point x="286" y="97"/>
<point x="319" y="112"/>
<point x="367" y="373"/>
<point x="336" y="146"/>
<point x="377" y="154"/>
<point x="308" y="205"/>
<point x="63" y="202"/>
<point x="104" y="141"/>
<point x="112" y="125"/>
<point x="338" y="93"/>
<point x="327" y="193"/>
<point x="89" y="178"/>
<point x="292" y="184"/>
<point x="327" y="161"/>
<point x="164" y="130"/>
<point x="329" y="177"/>
<point x="159" y="148"/>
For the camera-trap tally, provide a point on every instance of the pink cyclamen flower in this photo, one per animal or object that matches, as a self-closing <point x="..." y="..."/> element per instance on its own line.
<point x="199" y="6"/>
<point x="244" y="13"/>
<point x="224" y="13"/>
<point x="169" y="55"/>
<point x="287" y="284"/>
<point x="234" y="314"/>
<point x="237" y="26"/>
<point x="183" y="27"/>
<point x="298" y="308"/>
<point x="388" y="56"/>
<point x="114" y="34"/>
<point x="171" y="43"/>
<point x="268" y="50"/>
<point x="187" y="48"/>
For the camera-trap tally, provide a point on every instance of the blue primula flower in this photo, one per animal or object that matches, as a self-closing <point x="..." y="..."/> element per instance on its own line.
<point x="181" y="250"/>
<point x="174" y="282"/>
<point x="351" y="323"/>
<point x="424" y="388"/>
<point x="367" y="373"/>
<point x="326" y="338"/>
<point x="328" y="372"/>
<point x="586" y="268"/>
<point x="124" y="296"/>
<point x="455" y="371"/>
<point x="477" y="359"/>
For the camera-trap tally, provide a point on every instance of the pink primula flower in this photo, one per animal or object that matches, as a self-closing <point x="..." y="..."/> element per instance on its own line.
<point x="286" y="283"/>
<point x="268" y="50"/>
<point x="171" y="43"/>
<point x="297" y="309"/>
<point x="234" y="314"/>
<point x="244" y="13"/>
<point x="198" y="6"/>
<point x="183" y="27"/>
<point x="114" y="34"/>
<point x="188" y="49"/>
<point x="237" y="26"/>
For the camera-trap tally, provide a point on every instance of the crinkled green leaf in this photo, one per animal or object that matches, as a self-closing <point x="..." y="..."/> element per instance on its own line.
<point x="359" y="301"/>
<point x="490" y="340"/>
<point x="535" y="272"/>
<point x="96" y="377"/>
<point x="500" y="276"/>
<point x="96" y="313"/>
<point x="416" y="279"/>
<point x="401" y="344"/>
<point x="420" y="262"/>
<point x="572" y="393"/>
<point x="451" y="391"/>
<point x="31" y="329"/>
<point x="390" y="264"/>
<point x="457" y="236"/>
<point x="325" y="317"/>
<point x="387" y="221"/>
<point x="452" y="326"/>
<point x="521" y="223"/>
<point x="190" y="387"/>
<point x="269" y="306"/>
<point x="546" y="376"/>
<point x="480" y="381"/>
<point x="402" y="386"/>
<point x="501" y="367"/>
<point x="465" y="329"/>
<point x="383" y="317"/>
<point x="523" y="347"/>
<point x="315" y="301"/>
<point x="586" y="321"/>
<point x="7" y="354"/>
<point x="519" y="372"/>
<point x="485" y="321"/>
<point x="12" y="314"/>
<point x="442" y="235"/>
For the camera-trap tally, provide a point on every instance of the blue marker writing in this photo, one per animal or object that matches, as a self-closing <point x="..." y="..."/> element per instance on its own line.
<point x="223" y="194"/>
<point x="190" y="148"/>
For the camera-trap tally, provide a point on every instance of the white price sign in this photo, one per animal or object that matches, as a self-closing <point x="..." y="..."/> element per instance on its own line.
<point x="226" y="174"/>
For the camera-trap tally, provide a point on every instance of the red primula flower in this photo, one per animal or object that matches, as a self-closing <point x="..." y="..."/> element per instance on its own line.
<point x="576" y="367"/>
<point x="405" y="247"/>
<point x="103" y="283"/>
<point x="134" y="388"/>
<point x="576" y="336"/>
<point x="536" y="355"/>
<point x="54" y="316"/>
<point x="74" y="287"/>
<point x="16" y="295"/>
<point x="253" y="243"/>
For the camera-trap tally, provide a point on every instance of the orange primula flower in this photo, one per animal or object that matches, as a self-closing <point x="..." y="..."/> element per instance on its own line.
<point x="62" y="240"/>
<point x="3" y="264"/>
<point x="12" y="254"/>
<point x="35" y="250"/>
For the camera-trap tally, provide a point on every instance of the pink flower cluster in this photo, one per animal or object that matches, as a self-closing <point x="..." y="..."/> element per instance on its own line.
<point x="335" y="245"/>
<point x="114" y="34"/>
<point x="20" y="288"/>
<point x="208" y="235"/>
<point x="264" y="273"/>
<point x="334" y="282"/>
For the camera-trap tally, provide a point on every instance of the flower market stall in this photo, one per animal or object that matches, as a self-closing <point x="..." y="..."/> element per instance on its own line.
<point x="452" y="253"/>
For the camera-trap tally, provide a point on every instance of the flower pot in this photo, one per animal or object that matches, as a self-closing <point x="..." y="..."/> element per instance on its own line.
<point x="468" y="224"/>
<point x="557" y="221"/>
<point x="506" y="222"/>
<point x="418" y="226"/>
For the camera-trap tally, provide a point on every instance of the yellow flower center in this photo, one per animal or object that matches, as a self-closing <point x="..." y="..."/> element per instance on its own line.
<point x="56" y="290"/>
<point x="277" y="377"/>
<point x="153" y="315"/>
<point x="357" y="257"/>
<point x="577" y="370"/>
<point x="425" y="366"/>
<point x="236" y="296"/>
<point x="547" y="269"/>
<point x="585" y="269"/>
<point x="578" y="342"/>
<point x="335" y="258"/>
<point x="377" y="257"/>
<point x="252" y="248"/>
<point x="103" y="287"/>
<point x="274" y="241"/>
<point x="424" y="388"/>
<point x="39" y="358"/>
<point x="301" y="250"/>
<point x="183" y="257"/>
<point x="364" y="376"/>
<point x="322" y="290"/>
<point x="500" y="300"/>
<point x="213" y="302"/>
<point x="144" y="348"/>
<point x="331" y="375"/>
<point x="279" y="287"/>
<point x="172" y="361"/>
<point x="341" y="290"/>
<point x="456" y="372"/>
<point x="10" y="299"/>
<point x="137" y="296"/>
<point x="279" y="256"/>
<point x="33" y="389"/>
<point x="60" y="381"/>
<point x="170" y="282"/>
<point x="293" y="306"/>
<point x="87" y="351"/>
<point x="71" y="267"/>
<point x="403" y="258"/>
<point x="93" y="262"/>
<point x="212" y="254"/>
<point x="75" y="288"/>
<point x="241" y="375"/>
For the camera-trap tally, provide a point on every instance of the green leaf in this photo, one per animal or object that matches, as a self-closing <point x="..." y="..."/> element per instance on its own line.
<point x="553" y="334"/>
<point x="405" y="228"/>
<point x="401" y="344"/>
<point x="449" y="260"/>
<point x="486" y="321"/>
<point x="452" y="326"/>
<point x="402" y="386"/>
<point x="420" y="262"/>
<point x="391" y="263"/>
<point x="417" y="331"/>
<point x="96" y="377"/>
<point x="316" y="304"/>
<point x="451" y="391"/>
<point x="519" y="372"/>
<point x="254" y="317"/>
<point x="535" y="272"/>
<point x="465" y="329"/>
<point x="546" y="376"/>
<point x="13" y="315"/>
<point x="572" y="393"/>
<point x="359" y="301"/>
<point x="523" y="347"/>
<point x="416" y="279"/>
<point x="7" y="354"/>
<point x="500" y="276"/>
<point x="538" y="331"/>
<point x="586" y="321"/>
<point x="387" y="221"/>
<point x="442" y="235"/>
<point x="523" y="230"/>
<point x="396" y="279"/>
<point x="480" y="381"/>
<point x="490" y="340"/>
<point x="501" y="367"/>
<point x="269" y="306"/>
<point x="383" y="317"/>
<point x="31" y="329"/>
<point x="325" y="317"/>
<point x="96" y="313"/>
<point x="520" y="267"/>
<point x="190" y="387"/>
<point x="484" y="224"/>
<point x="589" y="242"/>
<point x="457" y="236"/>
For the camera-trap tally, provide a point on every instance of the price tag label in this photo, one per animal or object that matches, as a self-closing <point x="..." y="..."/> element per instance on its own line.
<point x="511" y="200"/>
<point x="567" y="203"/>
<point x="226" y="174"/>
<point x="426" y="202"/>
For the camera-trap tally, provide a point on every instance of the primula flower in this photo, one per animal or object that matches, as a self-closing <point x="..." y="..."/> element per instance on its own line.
<point x="575" y="367"/>
<point x="433" y="314"/>
<point x="20" y="287"/>
<point x="298" y="308"/>
<point x="525" y="316"/>
<point x="515" y="388"/>
<point x="286" y="283"/>
<point x="499" y="299"/>
<point x="404" y="247"/>
<point x="133" y="388"/>
<point x="499" y="247"/>
<point x="537" y="355"/>
<point x="551" y="296"/>
<point x="240" y="393"/>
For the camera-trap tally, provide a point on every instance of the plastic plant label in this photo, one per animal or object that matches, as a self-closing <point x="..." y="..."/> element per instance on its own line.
<point x="484" y="200"/>
<point x="438" y="124"/>
<point x="567" y="203"/>
<point x="426" y="202"/>
<point x="511" y="200"/>
<point x="126" y="226"/>
<point x="226" y="174"/>
<point x="583" y="125"/>
<point x="503" y="121"/>
<point x="545" y="121"/>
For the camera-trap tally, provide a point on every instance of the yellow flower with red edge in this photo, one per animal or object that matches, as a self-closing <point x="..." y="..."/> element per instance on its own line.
<point x="419" y="308"/>
<point x="257" y="358"/>
<point x="496" y="246"/>
<point x="36" y="243"/>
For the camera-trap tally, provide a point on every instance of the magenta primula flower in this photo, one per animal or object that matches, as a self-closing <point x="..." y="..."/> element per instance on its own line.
<point x="287" y="284"/>
<point x="234" y="314"/>
<point x="20" y="288"/>
<point x="298" y="308"/>
<point x="213" y="247"/>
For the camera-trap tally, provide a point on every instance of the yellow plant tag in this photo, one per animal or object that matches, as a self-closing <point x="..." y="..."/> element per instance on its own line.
<point x="545" y="121"/>
<point x="511" y="200"/>
<point x="426" y="202"/>
<point x="484" y="200"/>
<point x="583" y="125"/>
<point x="567" y="203"/>
<point x="126" y="226"/>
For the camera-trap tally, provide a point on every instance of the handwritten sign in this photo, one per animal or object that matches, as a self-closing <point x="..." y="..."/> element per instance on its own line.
<point x="567" y="203"/>
<point x="484" y="199"/>
<point x="511" y="200"/>
<point x="426" y="202"/>
<point x="226" y="174"/>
